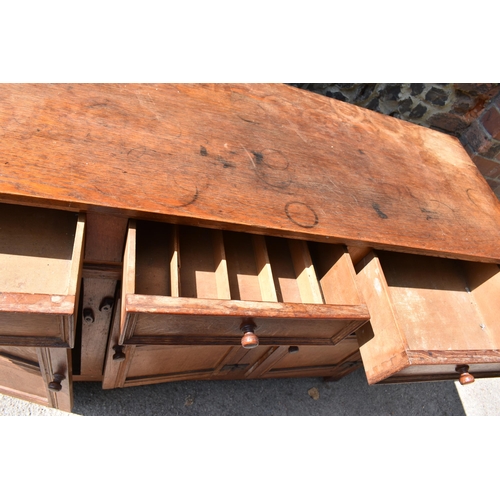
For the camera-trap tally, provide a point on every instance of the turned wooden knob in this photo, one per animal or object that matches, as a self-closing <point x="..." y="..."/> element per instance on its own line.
<point x="55" y="385"/>
<point x="249" y="339"/>
<point x="119" y="355"/>
<point x="107" y="304"/>
<point x="88" y="315"/>
<point x="465" y="376"/>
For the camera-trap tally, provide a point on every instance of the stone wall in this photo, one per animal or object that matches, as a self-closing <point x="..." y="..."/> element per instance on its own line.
<point x="482" y="142"/>
<point x="470" y="111"/>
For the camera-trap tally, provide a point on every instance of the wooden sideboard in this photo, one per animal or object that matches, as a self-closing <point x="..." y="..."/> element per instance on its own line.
<point x="153" y="233"/>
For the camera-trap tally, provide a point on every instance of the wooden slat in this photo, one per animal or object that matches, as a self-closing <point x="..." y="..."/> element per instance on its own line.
<point x="268" y="159"/>
<point x="307" y="281"/>
<point x="244" y="281"/>
<point x="336" y="274"/>
<point x="128" y="282"/>
<point x="382" y="345"/>
<point x="283" y="271"/>
<point x="77" y="258"/>
<point x="175" y="263"/>
<point x="221" y="274"/>
<point x="213" y="307"/>
<point x="266" y="281"/>
<point x="201" y="272"/>
<point x="37" y="303"/>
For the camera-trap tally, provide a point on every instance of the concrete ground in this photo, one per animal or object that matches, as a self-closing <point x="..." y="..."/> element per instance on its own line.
<point x="351" y="396"/>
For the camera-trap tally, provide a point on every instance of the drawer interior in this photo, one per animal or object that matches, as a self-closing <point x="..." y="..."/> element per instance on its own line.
<point x="195" y="262"/>
<point x="442" y="304"/>
<point x="175" y="276"/>
<point x="41" y="258"/>
<point x="36" y="250"/>
<point x="427" y="311"/>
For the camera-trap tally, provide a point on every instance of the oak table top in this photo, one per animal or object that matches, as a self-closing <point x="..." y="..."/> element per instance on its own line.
<point x="266" y="158"/>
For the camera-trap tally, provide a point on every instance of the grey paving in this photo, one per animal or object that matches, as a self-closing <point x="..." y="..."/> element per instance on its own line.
<point x="351" y="396"/>
<point x="482" y="398"/>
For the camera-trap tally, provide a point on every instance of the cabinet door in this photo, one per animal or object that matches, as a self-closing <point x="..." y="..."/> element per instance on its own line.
<point x="38" y="375"/>
<point x="154" y="364"/>
<point x="333" y="362"/>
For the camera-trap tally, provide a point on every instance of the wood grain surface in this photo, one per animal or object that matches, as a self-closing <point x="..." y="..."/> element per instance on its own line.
<point x="266" y="159"/>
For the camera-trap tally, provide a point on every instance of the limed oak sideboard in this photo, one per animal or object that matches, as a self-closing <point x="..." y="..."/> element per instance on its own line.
<point x="154" y="233"/>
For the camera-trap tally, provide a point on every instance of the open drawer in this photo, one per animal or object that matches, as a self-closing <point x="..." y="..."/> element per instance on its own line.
<point x="431" y="318"/>
<point x="186" y="285"/>
<point x="40" y="262"/>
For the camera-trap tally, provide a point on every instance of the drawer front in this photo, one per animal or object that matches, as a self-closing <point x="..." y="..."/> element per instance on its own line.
<point x="199" y="321"/>
<point x="426" y="373"/>
<point x="333" y="362"/>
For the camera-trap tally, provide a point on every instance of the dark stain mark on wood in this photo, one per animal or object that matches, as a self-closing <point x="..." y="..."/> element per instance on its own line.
<point x="248" y="121"/>
<point x="137" y="152"/>
<point x="469" y="191"/>
<point x="428" y="213"/>
<point x="272" y="168"/>
<point x="379" y="212"/>
<point x="182" y="205"/>
<point x="225" y="163"/>
<point x="301" y="214"/>
<point x="203" y="151"/>
<point x="259" y="157"/>
<point x="99" y="105"/>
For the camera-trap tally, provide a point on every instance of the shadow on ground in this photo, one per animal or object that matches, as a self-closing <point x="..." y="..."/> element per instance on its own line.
<point x="351" y="396"/>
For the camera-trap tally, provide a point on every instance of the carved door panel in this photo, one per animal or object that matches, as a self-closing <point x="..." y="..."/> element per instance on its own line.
<point x="39" y="375"/>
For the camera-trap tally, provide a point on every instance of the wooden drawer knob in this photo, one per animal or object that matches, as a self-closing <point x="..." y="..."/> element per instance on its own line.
<point x="55" y="385"/>
<point x="88" y="315"/>
<point x="249" y="339"/>
<point x="119" y="355"/>
<point x="107" y="304"/>
<point x="465" y="376"/>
